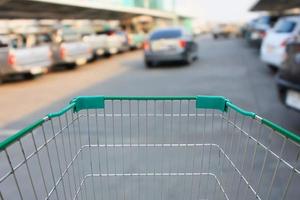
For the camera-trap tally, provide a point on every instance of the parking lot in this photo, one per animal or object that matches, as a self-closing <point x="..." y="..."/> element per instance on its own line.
<point x="149" y="100"/>
<point x="226" y="67"/>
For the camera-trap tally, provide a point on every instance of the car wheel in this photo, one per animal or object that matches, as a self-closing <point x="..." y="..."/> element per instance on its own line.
<point x="149" y="64"/>
<point x="71" y="66"/>
<point x="93" y="58"/>
<point x="281" y="91"/>
<point x="29" y="76"/>
<point x="273" y="68"/>
<point x="189" y="60"/>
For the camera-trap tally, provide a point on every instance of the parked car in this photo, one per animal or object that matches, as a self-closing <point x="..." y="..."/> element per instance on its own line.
<point x="136" y="40"/>
<point x="170" y="44"/>
<point x="24" y="54"/>
<point x="257" y="29"/>
<point x="116" y="41"/>
<point x="68" y="48"/>
<point x="273" y="49"/>
<point x="124" y="40"/>
<point x="288" y="77"/>
<point x="226" y="30"/>
<point x="98" y="42"/>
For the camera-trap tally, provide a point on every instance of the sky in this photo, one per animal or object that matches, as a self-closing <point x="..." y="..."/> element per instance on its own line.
<point x="217" y="10"/>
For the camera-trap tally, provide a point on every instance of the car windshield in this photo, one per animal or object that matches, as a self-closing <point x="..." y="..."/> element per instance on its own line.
<point x="267" y="20"/>
<point x="18" y="41"/>
<point x="43" y="39"/>
<point x="263" y="20"/>
<point x="28" y="41"/>
<point x="166" y="34"/>
<point x="66" y="35"/>
<point x="285" y="26"/>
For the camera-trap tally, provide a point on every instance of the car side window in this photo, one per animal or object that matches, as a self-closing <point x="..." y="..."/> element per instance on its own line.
<point x="43" y="39"/>
<point x="285" y="26"/>
<point x="14" y="43"/>
<point x="18" y="42"/>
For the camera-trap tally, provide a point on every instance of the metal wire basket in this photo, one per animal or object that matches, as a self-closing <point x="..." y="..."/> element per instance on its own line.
<point x="109" y="148"/>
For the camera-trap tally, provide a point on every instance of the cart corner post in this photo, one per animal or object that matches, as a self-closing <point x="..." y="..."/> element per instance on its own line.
<point x="212" y="102"/>
<point x="88" y="102"/>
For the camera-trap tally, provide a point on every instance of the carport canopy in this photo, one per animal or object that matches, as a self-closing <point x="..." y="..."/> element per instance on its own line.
<point x="275" y="5"/>
<point x="73" y="9"/>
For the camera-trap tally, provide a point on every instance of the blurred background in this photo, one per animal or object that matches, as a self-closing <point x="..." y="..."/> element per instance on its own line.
<point x="54" y="50"/>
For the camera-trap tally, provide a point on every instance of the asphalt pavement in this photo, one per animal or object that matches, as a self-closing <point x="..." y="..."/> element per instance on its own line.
<point x="225" y="67"/>
<point x="131" y="156"/>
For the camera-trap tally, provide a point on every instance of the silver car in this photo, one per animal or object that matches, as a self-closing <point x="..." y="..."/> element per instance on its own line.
<point x="68" y="48"/>
<point x="98" y="42"/>
<point x="25" y="54"/>
<point x="116" y="42"/>
<point x="170" y="44"/>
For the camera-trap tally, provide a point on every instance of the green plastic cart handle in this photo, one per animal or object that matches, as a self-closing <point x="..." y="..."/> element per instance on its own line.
<point x="283" y="131"/>
<point x="98" y="102"/>
<point x="20" y="134"/>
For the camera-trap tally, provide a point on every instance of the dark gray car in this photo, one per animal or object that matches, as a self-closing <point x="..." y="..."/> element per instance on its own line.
<point x="170" y="44"/>
<point x="288" y="77"/>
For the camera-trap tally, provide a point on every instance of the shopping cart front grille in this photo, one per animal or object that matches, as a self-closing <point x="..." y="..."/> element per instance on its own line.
<point x="150" y="148"/>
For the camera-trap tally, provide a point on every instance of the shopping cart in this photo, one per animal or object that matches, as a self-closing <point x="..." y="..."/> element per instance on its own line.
<point x="187" y="148"/>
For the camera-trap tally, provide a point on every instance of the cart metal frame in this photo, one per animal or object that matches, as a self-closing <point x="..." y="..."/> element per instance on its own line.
<point x="154" y="147"/>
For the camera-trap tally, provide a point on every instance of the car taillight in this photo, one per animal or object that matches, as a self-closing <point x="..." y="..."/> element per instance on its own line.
<point x="50" y="54"/>
<point x="182" y="43"/>
<point x="286" y="41"/>
<point x="11" y="60"/>
<point x="62" y="52"/>
<point x="146" y="45"/>
<point x="263" y="34"/>
<point x="129" y="39"/>
<point x="283" y="43"/>
<point x="111" y="33"/>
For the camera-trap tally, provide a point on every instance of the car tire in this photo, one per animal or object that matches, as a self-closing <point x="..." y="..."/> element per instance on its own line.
<point x="273" y="68"/>
<point x="93" y="58"/>
<point x="28" y="76"/>
<point x="189" y="60"/>
<point x="71" y="66"/>
<point x="281" y="91"/>
<point x="149" y="64"/>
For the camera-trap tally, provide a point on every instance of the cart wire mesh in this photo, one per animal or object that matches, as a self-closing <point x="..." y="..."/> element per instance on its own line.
<point x="113" y="148"/>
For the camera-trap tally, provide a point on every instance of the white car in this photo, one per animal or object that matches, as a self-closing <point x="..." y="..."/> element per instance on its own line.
<point x="68" y="48"/>
<point x="24" y="54"/>
<point x="274" y="44"/>
<point x="117" y="42"/>
<point x="97" y="42"/>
